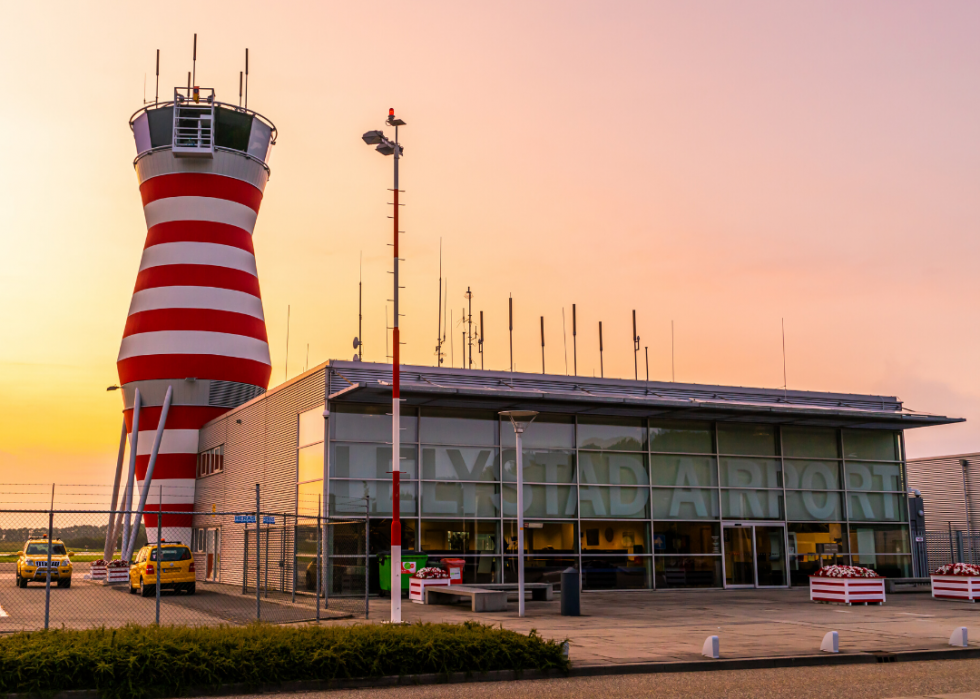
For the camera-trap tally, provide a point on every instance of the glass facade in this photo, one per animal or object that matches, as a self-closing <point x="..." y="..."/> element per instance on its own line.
<point x="632" y="504"/>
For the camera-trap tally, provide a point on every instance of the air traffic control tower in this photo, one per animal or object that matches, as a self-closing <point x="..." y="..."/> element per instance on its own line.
<point x="195" y="341"/>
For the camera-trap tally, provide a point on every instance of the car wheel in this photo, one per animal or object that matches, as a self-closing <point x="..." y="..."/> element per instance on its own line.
<point x="22" y="582"/>
<point x="66" y="585"/>
<point x="144" y="590"/>
<point x="133" y="590"/>
<point x="191" y="588"/>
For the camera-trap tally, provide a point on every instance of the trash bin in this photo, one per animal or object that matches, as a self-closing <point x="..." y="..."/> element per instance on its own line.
<point x="455" y="568"/>
<point x="570" y="594"/>
<point x="411" y="561"/>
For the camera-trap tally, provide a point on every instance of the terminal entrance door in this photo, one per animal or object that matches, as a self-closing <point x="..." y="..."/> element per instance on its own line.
<point x="755" y="555"/>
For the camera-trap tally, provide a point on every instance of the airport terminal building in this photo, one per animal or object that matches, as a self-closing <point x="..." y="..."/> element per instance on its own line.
<point x="639" y="485"/>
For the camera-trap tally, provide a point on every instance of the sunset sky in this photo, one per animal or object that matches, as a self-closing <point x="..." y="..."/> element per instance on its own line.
<point x="722" y="165"/>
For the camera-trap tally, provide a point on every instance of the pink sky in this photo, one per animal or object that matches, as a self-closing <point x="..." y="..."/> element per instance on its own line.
<point x="721" y="165"/>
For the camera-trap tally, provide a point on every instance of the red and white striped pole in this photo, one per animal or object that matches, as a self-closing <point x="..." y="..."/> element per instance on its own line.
<point x="396" y="525"/>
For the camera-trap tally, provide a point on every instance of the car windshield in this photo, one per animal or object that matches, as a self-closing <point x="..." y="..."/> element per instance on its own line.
<point x="42" y="549"/>
<point x="176" y="553"/>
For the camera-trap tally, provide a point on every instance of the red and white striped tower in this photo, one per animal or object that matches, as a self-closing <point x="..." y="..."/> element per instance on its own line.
<point x="195" y="324"/>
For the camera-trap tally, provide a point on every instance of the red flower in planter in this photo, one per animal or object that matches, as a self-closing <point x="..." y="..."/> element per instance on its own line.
<point x="845" y="572"/>
<point x="431" y="573"/>
<point x="965" y="570"/>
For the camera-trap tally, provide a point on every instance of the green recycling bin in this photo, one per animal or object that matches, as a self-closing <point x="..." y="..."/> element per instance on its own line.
<point x="411" y="562"/>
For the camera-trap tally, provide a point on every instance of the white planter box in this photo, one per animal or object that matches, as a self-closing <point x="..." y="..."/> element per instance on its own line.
<point x="847" y="590"/>
<point x="97" y="572"/>
<point x="117" y="575"/>
<point x="416" y="587"/>
<point x="956" y="587"/>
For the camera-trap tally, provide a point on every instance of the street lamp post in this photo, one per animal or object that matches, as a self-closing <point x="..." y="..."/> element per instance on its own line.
<point x="520" y="419"/>
<point x="388" y="147"/>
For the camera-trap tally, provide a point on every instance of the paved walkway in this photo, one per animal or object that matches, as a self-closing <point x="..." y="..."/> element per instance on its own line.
<point x="630" y="627"/>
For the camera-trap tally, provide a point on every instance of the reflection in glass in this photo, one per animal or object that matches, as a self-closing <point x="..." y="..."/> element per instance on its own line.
<point x="311" y="426"/>
<point x="541" y="500"/>
<point x="547" y="569"/>
<point x="812" y="475"/>
<point x="615" y="537"/>
<point x="684" y="503"/>
<point x="459" y="464"/>
<point x="347" y="497"/>
<point x="739" y="562"/>
<point x="873" y="445"/>
<point x="685" y="437"/>
<point x="812" y="442"/>
<point x="753" y="440"/>
<point x="812" y="505"/>
<point x="459" y="499"/>
<point x="541" y="465"/>
<point x="616" y="572"/>
<point x="888" y="566"/>
<point x="770" y="556"/>
<point x="309" y="496"/>
<point x="688" y="571"/>
<point x="615" y="434"/>
<point x="686" y="538"/>
<point x="369" y="461"/>
<point x="880" y="507"/>
<point x="614" y="501"/>
<point x="460" y="427"/>
<point x="310" y="463"/>
<point x="750" y="473"/>
<point x="604" y="468"/>
<point x="541" y="537"/>
<point x="468" y="536"/>
<point x="369" y="423"/>
<point x="869" y="540"/>
<point x="812" y="545"/>
<point x="752" y="504"/>
<point x="684" y="471"/>
<point x="862" y="476"/>
<point x="546" y="432"/>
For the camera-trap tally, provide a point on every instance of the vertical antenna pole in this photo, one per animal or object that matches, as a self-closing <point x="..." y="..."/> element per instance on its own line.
<point x="574" y="342"/>
<point x="782" y="322"/>
<point x="510" y="326"/>
<point x="469" y="323"/>
<point x="462" y="362"/>
<point x="564" y="338"/>
<point x="188" y="83"/>
<point x="439" y="331"/>
<point x="360" y="330"/>
<point x="156" y="93"/>
<point x="194" y="62"/>
<point x="542" y="344"/>
<point x="481" y="340"/>
<point x="246" y="78"/>
<point x="672" y="375"/>
<point x="636" y="348"/>
<point x="240" y="74"/>
<point x="646" y="351"/>
<point x="286" y="367"/>
<point x="602" y="371"/>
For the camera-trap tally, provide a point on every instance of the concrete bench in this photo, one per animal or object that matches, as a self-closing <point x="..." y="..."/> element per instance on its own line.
<point x="540" y="592"/>
<point x="896" y="585"/>
<point x="481" y="600"/>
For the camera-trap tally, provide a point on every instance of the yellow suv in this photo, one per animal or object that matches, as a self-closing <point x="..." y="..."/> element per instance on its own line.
<point x="177" y="569"/>
<point x="32" y="562"/>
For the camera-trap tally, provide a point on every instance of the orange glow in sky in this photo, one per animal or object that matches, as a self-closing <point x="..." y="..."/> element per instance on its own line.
<point x="719" y="165"/>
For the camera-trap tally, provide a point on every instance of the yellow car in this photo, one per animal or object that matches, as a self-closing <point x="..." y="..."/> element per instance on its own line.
<point x="177" y="570"/>
<point x="32" y="562"/>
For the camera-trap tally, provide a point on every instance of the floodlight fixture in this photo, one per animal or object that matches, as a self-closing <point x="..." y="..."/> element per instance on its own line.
<point x="520" y="419"/>
<point x="373" y="138"/>
<point x="386" y="147"/>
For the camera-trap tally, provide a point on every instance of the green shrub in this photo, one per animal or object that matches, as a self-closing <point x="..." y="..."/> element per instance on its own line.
<point x="142" y="661"/>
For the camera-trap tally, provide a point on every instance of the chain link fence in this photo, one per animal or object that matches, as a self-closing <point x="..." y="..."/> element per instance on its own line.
<point x="952" y="546"/>
<point x="237" y="568"/>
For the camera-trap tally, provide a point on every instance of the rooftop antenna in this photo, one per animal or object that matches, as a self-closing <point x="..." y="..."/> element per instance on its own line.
<point x="188" y="82"/>
<point x="646" y="351"/>
<point x="286" y="368"/>
<point x="194" y="62"/>
<point x="564" y="338"/>
<point x="636" y="348"/>
<point x="469" y="323"/>
<point x="574" y="342"/>
<point x="240" y="74"/>
<point x="439" y="332"/>
<point x="672" y="376"/>
<point x="782" y="322"/>
<point x="542" y="344"/>
<point x="464" y="349"/>
<point x="602" y="371"/>
<point x="156" y="92"/>
<point x="246" y="86"/>
<point x="510" y="326"/>
<point x="481" y="340"/>
<point x="358" y="342"/>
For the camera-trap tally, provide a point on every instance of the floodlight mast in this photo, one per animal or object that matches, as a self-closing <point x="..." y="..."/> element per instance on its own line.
<point x="520" y="419"/>
<point x="386" y="147"/>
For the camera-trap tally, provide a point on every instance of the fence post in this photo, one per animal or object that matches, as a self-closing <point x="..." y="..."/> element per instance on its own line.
<point x="159" y="547"/>
<point x="292" y="565"/>
<point x="952" y="549"/>
<point x="319" y="569"/>
<point x="47" y="585"/>
<point x="258" y="556"/>
<point x="367" y="558"/>
<point x="245" y="564"/>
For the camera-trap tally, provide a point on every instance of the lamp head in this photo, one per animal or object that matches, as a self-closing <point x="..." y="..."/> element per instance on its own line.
<point x="373" y="138"/>
<point x="520" y="419"/>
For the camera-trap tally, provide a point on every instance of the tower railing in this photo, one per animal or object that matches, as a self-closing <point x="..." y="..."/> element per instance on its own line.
<point x="193" y="122"/>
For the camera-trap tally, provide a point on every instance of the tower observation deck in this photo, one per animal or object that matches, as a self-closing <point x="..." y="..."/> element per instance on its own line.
<point x="194" y="343"/>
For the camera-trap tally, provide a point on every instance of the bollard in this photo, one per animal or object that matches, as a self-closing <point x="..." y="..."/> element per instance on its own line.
<point x="960" y="639"/>
<point x="710" y="648"/>
<point x="570" y="594"/>
<point x="830" y="643"/>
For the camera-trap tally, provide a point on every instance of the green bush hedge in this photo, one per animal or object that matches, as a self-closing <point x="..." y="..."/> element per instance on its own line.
<point x="143" y="661"/>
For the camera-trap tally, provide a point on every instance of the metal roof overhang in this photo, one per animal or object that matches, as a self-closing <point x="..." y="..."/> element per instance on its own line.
<point x="590" y="403"/>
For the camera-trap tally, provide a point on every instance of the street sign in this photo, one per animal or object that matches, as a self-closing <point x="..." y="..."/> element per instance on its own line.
<point x="267" y="519"/>
<point x="244" y="519"/>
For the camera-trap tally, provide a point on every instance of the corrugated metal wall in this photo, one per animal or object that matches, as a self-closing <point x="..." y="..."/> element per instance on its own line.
<point x="940" y="481"/>
<point x="261" y="449"/>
